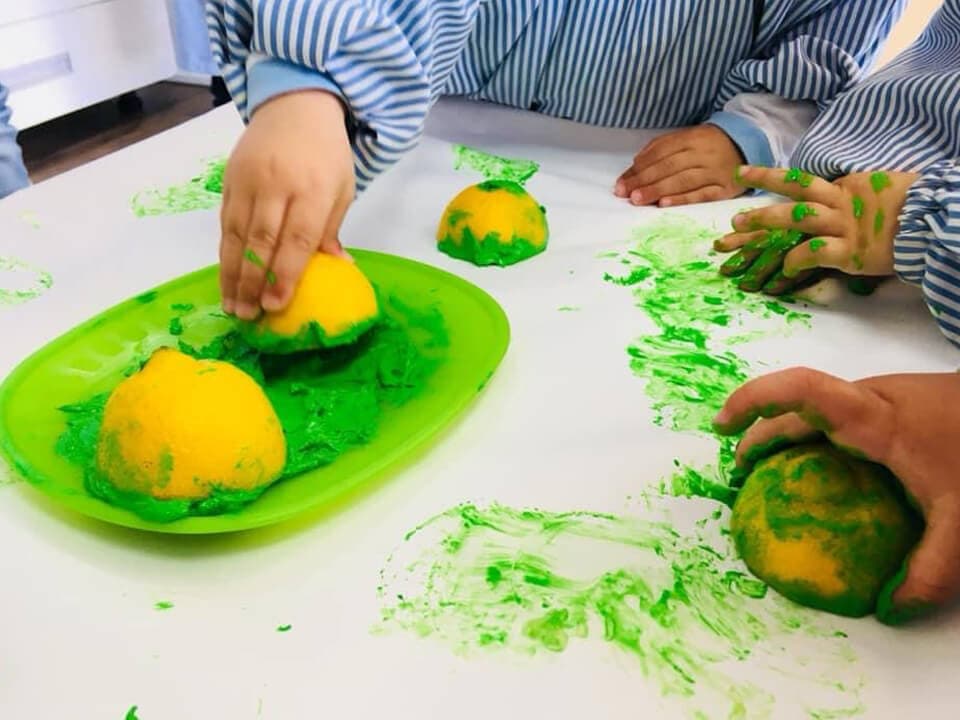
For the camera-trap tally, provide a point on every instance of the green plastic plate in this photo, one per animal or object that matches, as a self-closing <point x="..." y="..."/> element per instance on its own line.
<point x="93" y="357"/>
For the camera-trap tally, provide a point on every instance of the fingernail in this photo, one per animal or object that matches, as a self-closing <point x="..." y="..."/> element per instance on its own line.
<point x="246" y="311"/>
<point x="229" y="306"/>
<point x="739" y="220"/>
<point x="721" y="418"/>
<point x="666" y="202"/>
<point x="741" y="172"/>
<point x="272" y="302"/>
<point x="619" y="189"/>
<point x="636" y="197"/>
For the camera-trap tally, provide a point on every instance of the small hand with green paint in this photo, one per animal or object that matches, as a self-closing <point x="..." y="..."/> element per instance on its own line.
<point x="909" y="423"/>
<point x="286" y="189"/>
<point x="847" y="225"/>
<point x="683" y="167"/>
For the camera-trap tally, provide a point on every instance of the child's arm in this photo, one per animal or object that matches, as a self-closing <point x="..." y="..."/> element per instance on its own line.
<point x="13" y="174"/>
<point x="334" y="91"/>
<point x="766" y="102"/>
<point x="910" y="423"/>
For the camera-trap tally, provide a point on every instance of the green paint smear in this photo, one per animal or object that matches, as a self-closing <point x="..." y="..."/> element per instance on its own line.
<point x="284" y="628"/>
<point x="493" y="579"/>
<point x="252" y="257"/>
<point x="802" y="211"/>
<point x="796" y="175"/>
<point x="132" y="714"/>
<point x="568" y="308"/>
<point x="493" y="167"/>
<point x="163" y="605"/>
<point x="202" y="192"/>
<point x="879" y="181"/>
<point x="21" y="282"/>
<point x="878" y="221"/>
<point x="489" y="250"/>
<point x="328" y="402"/>
<point x="817" y="244"/>
<point x="858" y="206"/>
<point x="688" y="365"/>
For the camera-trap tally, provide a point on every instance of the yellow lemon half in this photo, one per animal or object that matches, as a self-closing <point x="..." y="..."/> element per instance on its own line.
<point x="182" y="428"/>
<point x="333" y="305"/>
<point x="824" y="528"/>
<point x="494" y="223"/>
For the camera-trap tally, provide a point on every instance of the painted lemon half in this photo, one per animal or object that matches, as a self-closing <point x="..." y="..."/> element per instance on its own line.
<point x="184" y="429"/>
<point x="494" y="223"/>
<point x="334" y="304"/>
<point x="823" y="528"/>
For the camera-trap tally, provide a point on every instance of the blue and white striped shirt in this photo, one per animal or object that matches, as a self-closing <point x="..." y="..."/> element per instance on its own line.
<point x="906" y="117"/>
<point x="759" y="69"/>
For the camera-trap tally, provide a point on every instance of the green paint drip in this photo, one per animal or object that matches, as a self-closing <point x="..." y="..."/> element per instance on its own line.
<point x="801" y="211"/>
<point x="327" y="402"/>
<point x="494" y="167"/>
<point x="163" y="605"/>
<point x="132" y="714"/>
<point x="202" y="192"/>
<point x="858" y="206"/>
<point x="284" y="628"/>
<point x="688" y="367"/>
<point x="494" y="579"/>
<point x="817" y="244"/>
<point x="21" y="282"/>
<point x="798" y="176"/>
<point x="879" y="181"/>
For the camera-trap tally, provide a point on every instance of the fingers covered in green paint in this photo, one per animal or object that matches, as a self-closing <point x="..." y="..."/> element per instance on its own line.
<point x="793" y="183"/>
<point x="808" y="218"/>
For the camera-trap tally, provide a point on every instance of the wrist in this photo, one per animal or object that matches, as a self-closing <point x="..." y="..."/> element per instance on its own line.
<point x="321" y="103"/>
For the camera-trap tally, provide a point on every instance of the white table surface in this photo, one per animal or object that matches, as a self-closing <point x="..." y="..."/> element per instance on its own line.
<point x="564" y="425"/>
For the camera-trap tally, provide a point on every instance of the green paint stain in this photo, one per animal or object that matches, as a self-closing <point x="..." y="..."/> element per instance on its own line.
<point x="255" y="259"/>
<point x="688" y="365"/>
<point x="176" y="326"/>
<point x="879" y="181"/>
<point x="495" y="579"/>
<point x="858" y="206"/>
<point x="802" y="211"/>
<point x="878" y="221"/>
<point x="31" y="219"/>
<point x="132" y="714"/>
<point x="568" y="308"/>
<point x="817" y="244"/>
<point x="493" y="167"/>
<point x="21" y="282"/>
<point x="163" y="605"/>
<point x="202" y="192"/>
<point x="327" y="402"/>
<point x="796" y="175"/>
<point x="284" y="628"/>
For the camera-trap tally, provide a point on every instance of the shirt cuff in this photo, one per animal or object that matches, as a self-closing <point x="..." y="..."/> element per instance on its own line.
<point x="926" y="213"/>
<point x="268" y="77"/>
<point x="752" y="141"/>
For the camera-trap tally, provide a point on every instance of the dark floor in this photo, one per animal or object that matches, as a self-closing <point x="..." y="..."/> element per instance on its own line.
<point x="78" y="138"/>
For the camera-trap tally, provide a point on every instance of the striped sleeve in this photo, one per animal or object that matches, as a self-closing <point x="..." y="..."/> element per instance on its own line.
<point x="803" y="61"/>
<point x="387" y="60"/>
<point x="927" y="247"/>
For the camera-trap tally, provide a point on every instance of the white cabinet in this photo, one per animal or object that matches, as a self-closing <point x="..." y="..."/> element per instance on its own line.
<point x="57" y="56"/>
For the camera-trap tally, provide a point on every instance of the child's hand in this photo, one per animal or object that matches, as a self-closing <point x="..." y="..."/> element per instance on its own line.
<point x="910" y="423"/>
<point x="848" y="225"/>
<point x="286" y="189"/>
<point x="686" y="166"/>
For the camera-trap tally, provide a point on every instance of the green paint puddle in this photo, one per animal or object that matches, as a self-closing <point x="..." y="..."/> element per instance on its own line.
<point x="21" y="282"/>
<point x="688" y="366"/>
<point x="489" y="579"/>
<point x="202" y="192"/>
<point x="493" y="167"/>
<point x="327" y="402"/>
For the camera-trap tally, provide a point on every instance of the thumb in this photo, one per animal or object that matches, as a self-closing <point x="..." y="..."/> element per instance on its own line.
<point x="930" y="576"/>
